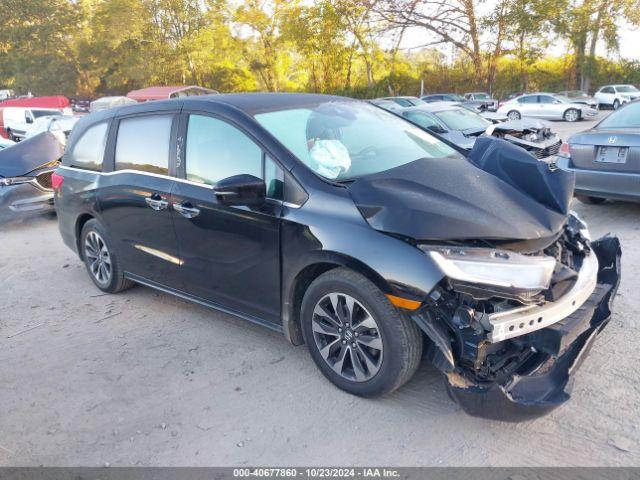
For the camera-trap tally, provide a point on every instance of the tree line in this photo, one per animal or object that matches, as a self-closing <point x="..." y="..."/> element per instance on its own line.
<point x="352" y="47"/>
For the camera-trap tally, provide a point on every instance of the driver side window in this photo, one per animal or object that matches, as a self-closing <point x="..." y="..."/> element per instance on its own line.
<point x="216" y="150"/>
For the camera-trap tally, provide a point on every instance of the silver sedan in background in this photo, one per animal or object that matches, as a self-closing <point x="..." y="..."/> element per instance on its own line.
<point x="548" y="106"/>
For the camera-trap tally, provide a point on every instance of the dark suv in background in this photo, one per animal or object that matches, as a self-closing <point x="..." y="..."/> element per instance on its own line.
<point x="351" y="230"/>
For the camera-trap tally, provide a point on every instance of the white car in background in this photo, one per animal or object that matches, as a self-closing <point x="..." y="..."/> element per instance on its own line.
<point x="58" y="125"/>
<point x="547" y="106"/>
<point x="615" y="96"/>
<point x="17" y="120"/>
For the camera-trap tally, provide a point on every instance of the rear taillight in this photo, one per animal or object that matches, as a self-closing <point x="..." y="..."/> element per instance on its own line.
<point x="564" y="150"/>
<point x="56" y="180"/>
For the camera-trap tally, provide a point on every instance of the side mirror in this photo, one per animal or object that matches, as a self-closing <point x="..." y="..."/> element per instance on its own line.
<point x="28" y="119"/>
<point x="241" y="190"/>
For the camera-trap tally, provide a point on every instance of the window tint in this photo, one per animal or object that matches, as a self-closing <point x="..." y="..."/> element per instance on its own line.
<point x="217" y="150"/>
<point x="143" y="144"/>
<point x="608" y="90"/>
<point x="89" y="149"/>
<point x="546" y="99"/>
<point x="274" y="178"/>
<point x="528" y="99"/>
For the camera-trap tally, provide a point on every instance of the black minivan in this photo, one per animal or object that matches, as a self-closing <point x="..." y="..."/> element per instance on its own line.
<point x="352" y="231"/>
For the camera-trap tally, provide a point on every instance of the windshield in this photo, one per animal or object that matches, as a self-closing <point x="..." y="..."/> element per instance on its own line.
<point x="627" y="117"/>
<point x="462" y="119"/>
<point x="626" y="89"/>
<point x="343" y="140"/>
<point x="576" y="94"/>
<point x="481" y="96"/>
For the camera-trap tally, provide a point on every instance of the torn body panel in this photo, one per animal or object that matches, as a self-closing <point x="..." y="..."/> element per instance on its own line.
<point x="528" y="374"/>
<point x="535" y="136"/>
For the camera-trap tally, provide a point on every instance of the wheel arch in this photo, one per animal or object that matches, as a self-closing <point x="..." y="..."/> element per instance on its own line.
<point x="82" y="219"/>
<point x="293" y="293"/>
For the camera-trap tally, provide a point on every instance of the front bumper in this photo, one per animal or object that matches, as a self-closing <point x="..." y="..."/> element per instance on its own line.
<point x="24" y="198"/>
<point x="603" y="184"/>
<point x="539" y="389"/>
<point x="589" y="112"/>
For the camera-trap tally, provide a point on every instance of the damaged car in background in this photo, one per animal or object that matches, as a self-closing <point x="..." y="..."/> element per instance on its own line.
<point x="535" y="136"/>
<point x="353" y="231"/>
<point x="25" y="175"/>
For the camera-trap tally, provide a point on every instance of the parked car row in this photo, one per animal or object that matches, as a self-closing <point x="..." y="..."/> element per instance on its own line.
<point x="462" y="124"/>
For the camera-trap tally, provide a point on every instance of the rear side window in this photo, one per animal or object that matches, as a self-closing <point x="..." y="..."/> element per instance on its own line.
<point x="529" y="99"/>
<point x="88" y="151"/>
<point x="143" y="144"/>
<point x="217" y="150"/>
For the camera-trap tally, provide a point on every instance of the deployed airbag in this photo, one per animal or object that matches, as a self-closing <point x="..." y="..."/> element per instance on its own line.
<point x="30" y="154"/>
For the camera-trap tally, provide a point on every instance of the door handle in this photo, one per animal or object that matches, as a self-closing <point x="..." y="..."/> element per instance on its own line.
<point x="186" y="209"/>
<point x="156" y="202"/>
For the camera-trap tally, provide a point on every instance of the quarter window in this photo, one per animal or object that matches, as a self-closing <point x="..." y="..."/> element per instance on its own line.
<point x="143" y="144"/>
<point x="89" y="149"/>
<point x="216" y="150"/>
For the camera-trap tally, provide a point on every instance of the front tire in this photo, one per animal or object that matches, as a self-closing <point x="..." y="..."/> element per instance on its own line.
<point x="100" y="258"/>
<point x="356" y="337"/>
<point x="591" y="200"/>
<point x="571" y="115"/>
<point x="616" y="104"/>
<point x="514" y="115"/>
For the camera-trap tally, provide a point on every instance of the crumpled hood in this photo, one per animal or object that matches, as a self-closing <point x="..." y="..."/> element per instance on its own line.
<point x="500" y="192"/>
<point x="30" y="154"/>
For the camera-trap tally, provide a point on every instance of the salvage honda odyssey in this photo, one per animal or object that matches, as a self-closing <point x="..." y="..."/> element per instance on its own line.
<point x="352" y="231"/>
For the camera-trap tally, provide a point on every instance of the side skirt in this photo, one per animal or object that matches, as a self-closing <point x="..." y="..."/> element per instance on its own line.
<point x="206" y="303"/>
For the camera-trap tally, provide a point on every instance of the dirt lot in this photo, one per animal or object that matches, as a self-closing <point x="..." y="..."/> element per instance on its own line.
<point x="143" y="378"/>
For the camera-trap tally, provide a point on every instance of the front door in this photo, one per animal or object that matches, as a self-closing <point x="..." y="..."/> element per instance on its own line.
<point x="135" y="199"/>
<point x="230" y="255"/>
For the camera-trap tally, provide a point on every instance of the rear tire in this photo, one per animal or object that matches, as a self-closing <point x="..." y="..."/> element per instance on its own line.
<point x="101" y="260"/>
<point x="356" y="337"/>
<point x="591" y="200"/>
<point x="514" y="115"/>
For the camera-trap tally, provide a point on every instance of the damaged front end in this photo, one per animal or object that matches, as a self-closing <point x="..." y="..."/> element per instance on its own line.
<point x="509" y="330"/>
<point x="25" y="175"/>
<point x="535" y="136"/>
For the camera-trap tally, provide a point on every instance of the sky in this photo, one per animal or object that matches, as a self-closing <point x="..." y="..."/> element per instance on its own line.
<point x="629" y="43"/>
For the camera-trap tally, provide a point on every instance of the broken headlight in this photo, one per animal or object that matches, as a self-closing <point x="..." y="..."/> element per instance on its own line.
<point x="498" y="268"/>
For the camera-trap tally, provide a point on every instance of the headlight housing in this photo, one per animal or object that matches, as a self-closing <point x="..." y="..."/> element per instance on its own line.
<point x="498" y="268"/>
<point x="5" y="182"/>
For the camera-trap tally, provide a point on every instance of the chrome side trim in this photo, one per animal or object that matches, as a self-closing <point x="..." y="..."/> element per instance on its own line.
<point x="523" y="320"/>
<point x="138" y="172"/>
<point x="157" y="175"/>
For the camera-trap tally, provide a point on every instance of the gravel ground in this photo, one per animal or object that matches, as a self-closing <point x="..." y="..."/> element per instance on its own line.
<point x="143" y="378"/>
